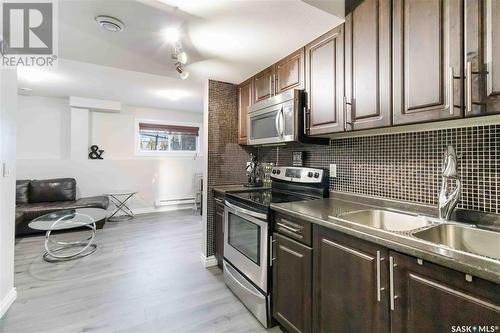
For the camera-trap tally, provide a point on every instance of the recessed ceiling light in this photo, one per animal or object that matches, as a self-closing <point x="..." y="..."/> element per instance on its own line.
<point x="25" y="90"/>
<point x="172" y="35"/>
<point x="173" y="94"/>
<point x="109" y="23"/>
<point x="36" y="74"/>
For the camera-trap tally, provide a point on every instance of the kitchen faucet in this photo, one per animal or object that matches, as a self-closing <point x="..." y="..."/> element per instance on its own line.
<point x="448" y="200"/>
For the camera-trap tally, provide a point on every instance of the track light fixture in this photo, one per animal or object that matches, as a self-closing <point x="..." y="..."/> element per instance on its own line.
<point x="179" y="56"/>
<point x="183" y="74"/>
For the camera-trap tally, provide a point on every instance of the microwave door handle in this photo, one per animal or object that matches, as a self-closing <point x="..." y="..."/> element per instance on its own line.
<point x="277" y="122"/>
<point x="282" y="122"/>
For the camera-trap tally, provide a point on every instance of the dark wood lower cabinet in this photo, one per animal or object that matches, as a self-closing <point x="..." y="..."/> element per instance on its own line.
<point x="430" y="298"/>
<point x="219" y="232"/>
<point x="359" y="286"/>
<point x="292" y="285"/>
<point x="350" y="283"/>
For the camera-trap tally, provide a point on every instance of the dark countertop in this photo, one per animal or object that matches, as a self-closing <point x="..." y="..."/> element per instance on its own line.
<point x="325" y="212"/>
<point x="236" y="188"/>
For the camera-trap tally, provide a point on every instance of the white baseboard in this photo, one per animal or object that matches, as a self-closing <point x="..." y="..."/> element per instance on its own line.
<point x="7" y="301"/>
<point x="147" y="210"/>
<point x="208" y="261"/>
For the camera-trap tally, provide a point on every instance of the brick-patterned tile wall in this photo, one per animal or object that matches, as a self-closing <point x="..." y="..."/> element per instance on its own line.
<point x="408" y="166"/>
<point x="226" y="159"/>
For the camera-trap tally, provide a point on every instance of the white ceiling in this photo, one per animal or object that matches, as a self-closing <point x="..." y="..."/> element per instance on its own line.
<point x="73" y="78"/>
<point x="226" y="40"/>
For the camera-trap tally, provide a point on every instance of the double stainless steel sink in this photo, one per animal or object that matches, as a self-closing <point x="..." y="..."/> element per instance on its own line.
<point x="386" y="220"/>
<point x="454" y="236"/>
<point x="480" y="242"/>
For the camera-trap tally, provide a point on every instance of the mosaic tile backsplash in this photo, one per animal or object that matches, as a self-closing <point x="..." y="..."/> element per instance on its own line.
<point x="407" y="166"/>
<point x="226" y="159"/>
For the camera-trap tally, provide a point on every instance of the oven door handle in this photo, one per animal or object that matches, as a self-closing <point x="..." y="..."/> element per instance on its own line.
<point x="240" y="210"/>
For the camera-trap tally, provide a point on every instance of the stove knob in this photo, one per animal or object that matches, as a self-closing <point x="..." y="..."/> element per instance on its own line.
<point x="274" y="171"/>
<point x="278" y="171"/>
<point x="316" y="175"/>
<point x="309" y="174"/>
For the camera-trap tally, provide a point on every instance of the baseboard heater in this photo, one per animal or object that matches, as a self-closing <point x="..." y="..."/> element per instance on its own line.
<point x="172" y="202"/>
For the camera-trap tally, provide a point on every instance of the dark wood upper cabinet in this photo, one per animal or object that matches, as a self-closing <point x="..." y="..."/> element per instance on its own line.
<point x="350" y="284"/>
<point x="290" y="72"/>
<point x="427" y="57"/>
<point x="368" y="65"/>
<point x="292" y="284"/>
<point x="263" y="84"/>
<point x="431" y="298"/>
<point x="482" y="57"/>
<point x="219" y="231"/>
<point x="245" y="96"/>
<point x="325" y="83"/>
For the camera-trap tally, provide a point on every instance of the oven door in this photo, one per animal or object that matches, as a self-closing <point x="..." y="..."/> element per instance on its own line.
<point x="245" y="243"/>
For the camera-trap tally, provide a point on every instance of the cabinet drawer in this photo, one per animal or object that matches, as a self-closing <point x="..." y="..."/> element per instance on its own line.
<point x="293" y="228"/>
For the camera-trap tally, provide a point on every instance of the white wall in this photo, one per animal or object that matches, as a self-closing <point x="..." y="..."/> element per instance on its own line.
<point x="8" y="100"/>
<point x="121" y="169"/>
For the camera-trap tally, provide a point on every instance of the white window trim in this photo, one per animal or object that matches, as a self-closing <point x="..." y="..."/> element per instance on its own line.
<point x="137" y="141"/>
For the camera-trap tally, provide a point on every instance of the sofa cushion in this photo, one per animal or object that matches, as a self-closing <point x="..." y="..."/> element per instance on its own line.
<point x="34" y="210"/>
<point x="51" y="190"/>
<point x="22" y="191"/>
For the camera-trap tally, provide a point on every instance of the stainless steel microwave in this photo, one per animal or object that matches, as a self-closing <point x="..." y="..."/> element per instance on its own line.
<point x="279" y="119"/>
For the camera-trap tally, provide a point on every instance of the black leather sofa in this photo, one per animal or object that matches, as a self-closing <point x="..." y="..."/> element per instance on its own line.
<point x="35" y="198"/>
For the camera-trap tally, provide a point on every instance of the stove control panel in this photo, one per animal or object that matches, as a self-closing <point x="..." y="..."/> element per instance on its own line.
<point x="299" y="174"/>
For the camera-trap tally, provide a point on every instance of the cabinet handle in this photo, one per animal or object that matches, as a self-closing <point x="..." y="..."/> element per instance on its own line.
<point x="286" y="227"/>
<point x="391" y="281"/>
<point x="379" y="288"/>
<point x="468" y="87"/>
<point x="350" y="113"/>
<point x="451" y="90"/>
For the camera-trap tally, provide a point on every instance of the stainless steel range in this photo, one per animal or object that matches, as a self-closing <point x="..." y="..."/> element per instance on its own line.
<point x="247" y="234"/>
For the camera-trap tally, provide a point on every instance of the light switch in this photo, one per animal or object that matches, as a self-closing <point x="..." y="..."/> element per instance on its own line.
<point x="333" y="170"/>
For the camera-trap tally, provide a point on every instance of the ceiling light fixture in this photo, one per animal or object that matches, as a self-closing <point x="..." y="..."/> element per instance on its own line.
<point x="183" y="74"/>
<point x="179" y="56"/>
<point x="173" y="94"/>
<point x="109" y="23"/>
<point x="172" y="35"/>
<point x="25" y="90"/>
<point x="36" y="74"/>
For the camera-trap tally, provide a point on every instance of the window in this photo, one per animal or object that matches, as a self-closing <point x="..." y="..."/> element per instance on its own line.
<point x="168" y="138"/>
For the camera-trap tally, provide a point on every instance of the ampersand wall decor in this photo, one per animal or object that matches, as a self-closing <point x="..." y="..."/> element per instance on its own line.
<point x="95" y="153"/>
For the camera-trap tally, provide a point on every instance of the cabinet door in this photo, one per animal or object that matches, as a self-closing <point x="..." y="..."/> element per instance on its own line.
<point x="426" y="60"/>
<point x="431" y="298"/>
<point x="292" y="288"/>
<point x="350" y="284"/>
<point x="290" y="72"/>
<point x="325" y="83"/>
<point x="368" y="65"/>
<point x="482" y="57"/>
<point x="219" y="232"/>
<point x="263" y="84"/>
<point x="245" y="100"/>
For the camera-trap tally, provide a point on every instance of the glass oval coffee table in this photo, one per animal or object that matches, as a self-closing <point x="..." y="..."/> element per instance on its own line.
<point x="56" y="251"/>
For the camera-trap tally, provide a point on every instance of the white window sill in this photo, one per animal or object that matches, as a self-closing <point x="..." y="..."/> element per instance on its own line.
<point x="168" y="154"/>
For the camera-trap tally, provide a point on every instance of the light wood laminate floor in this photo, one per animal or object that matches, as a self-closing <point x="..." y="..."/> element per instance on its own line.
<point x="146" y="276"/>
